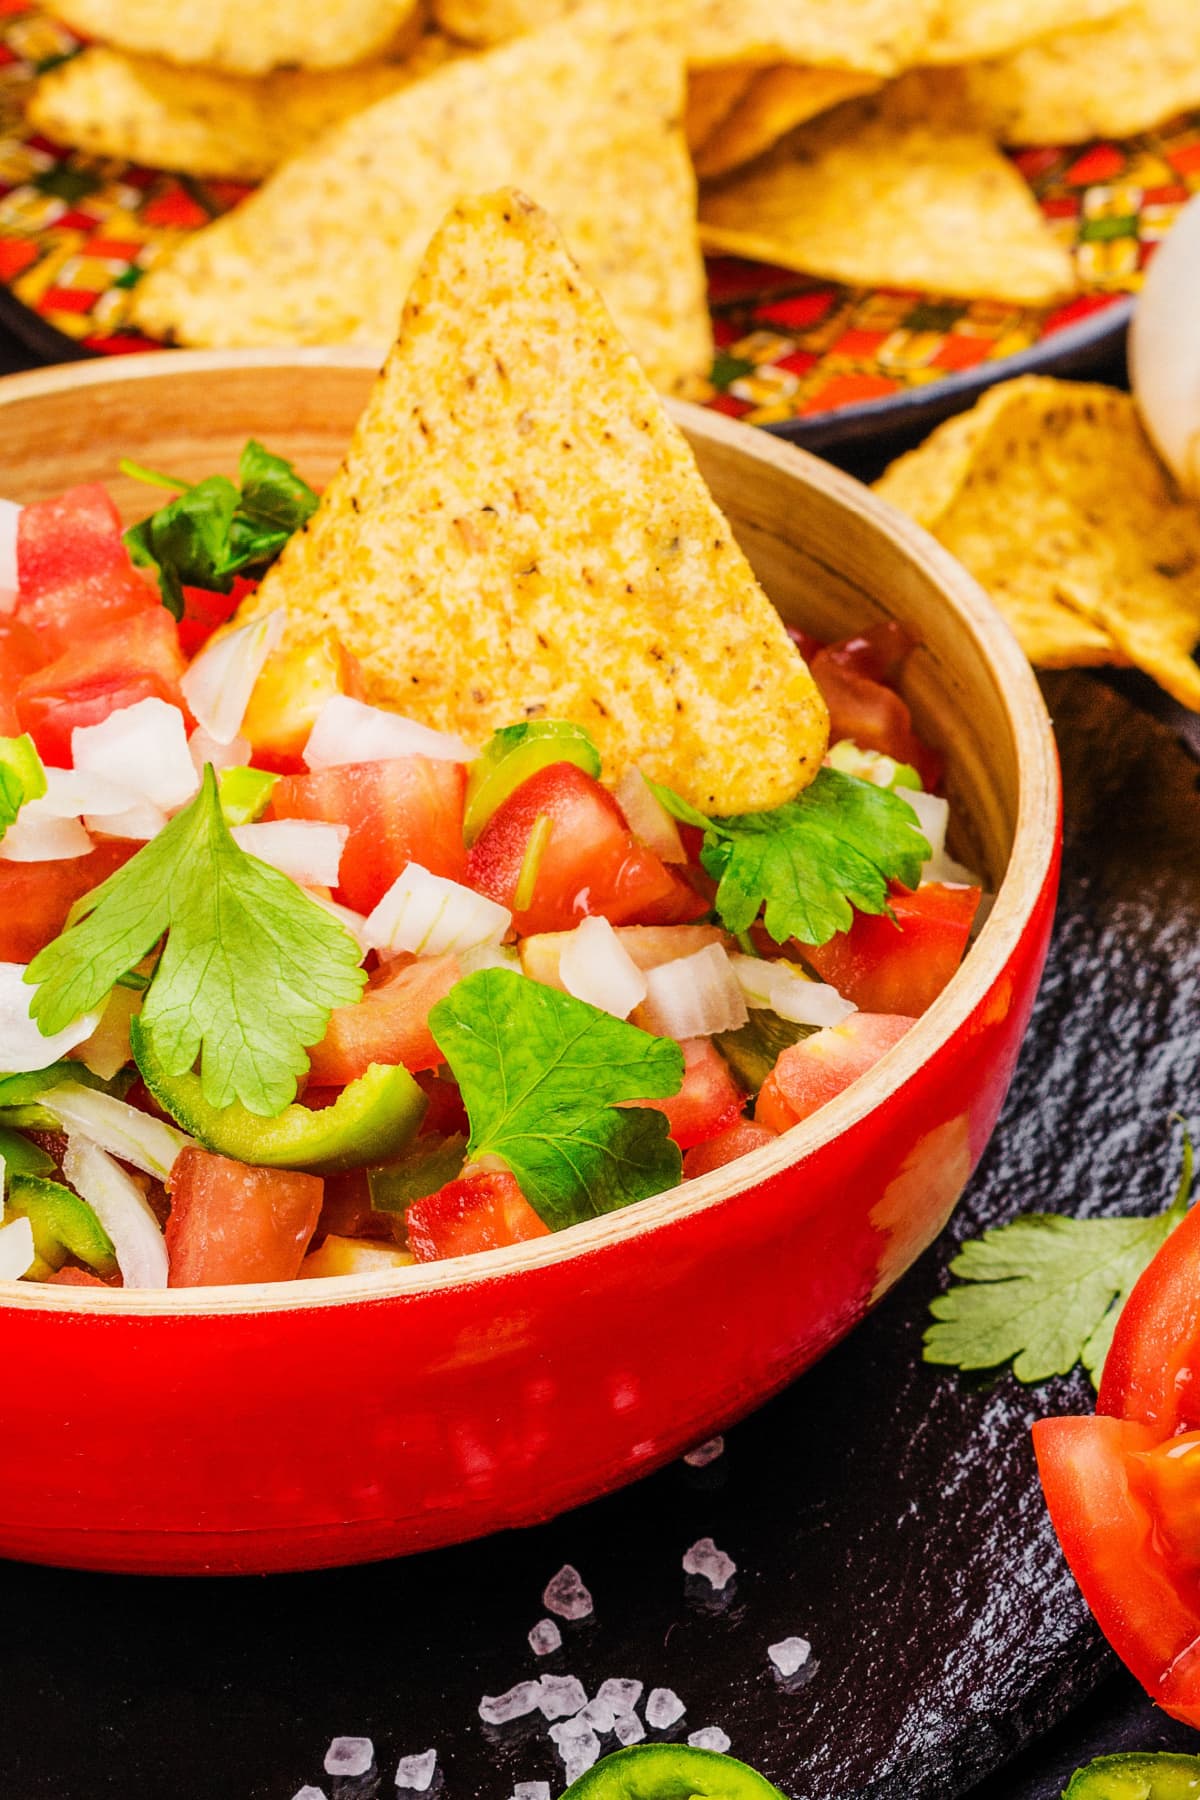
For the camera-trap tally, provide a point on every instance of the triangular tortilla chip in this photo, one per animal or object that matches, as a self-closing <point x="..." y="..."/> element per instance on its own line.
<point x="1050" y="493"/>
<point x="887" y="192"/>
<point x="969" y="29"/>
<point x="711" y="96"/>
<point x="200" y="122"/>
<point x="776" y="101"/>
<point x="585" y="115"/>
<point x="241" y="39"/>
<point x="519" y="531"/>
<point x="496" y="21"/>
<point x="1113" y="80"/>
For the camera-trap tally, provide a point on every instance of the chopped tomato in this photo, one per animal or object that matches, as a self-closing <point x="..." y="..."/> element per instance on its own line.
<point x="233" y="1223"/>
<point x="1152" y="1373"/>
<point x="817" y="1069"/>
<point x="288" y="695"/>
<point x="485" y="1210"/>
<point x="879" y="653"/>
<point x="35" y="898"/>
<point x="739" y="1140"/>
<point x="899" y="968"/>
<point x="133" y="659"/>
<point x="445" y="1114"/>
<point x="346" y="1210"/>
<point x="20" y="655"/>
<point x="407" y="810"/>
<point x="563" y="837"/>
<point x="204" y="611"/>
<point x="854" y="677"/>
<point x="70" y="1276"/>
<point x="708" y="1103"/>
<point x="74" y="573"/>
<point x="390" y="1024"/>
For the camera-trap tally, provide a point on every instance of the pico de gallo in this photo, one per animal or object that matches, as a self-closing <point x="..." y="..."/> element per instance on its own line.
<point x="293" y="986"/>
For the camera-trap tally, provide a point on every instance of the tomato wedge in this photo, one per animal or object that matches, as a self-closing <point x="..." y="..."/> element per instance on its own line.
<point x="74" y="573"/>
<point x="233" y="1223"/>
<point x="710" y="1100"/>
<point x="390" y="1024"/>
<point x="35" y="898"/>
<point x="817" y="1069"/>
<point x="130" y="659"/>
<point x="1153" y="1369"/>
<point x="902" y="967"/>
<point x="485" y="1210"/>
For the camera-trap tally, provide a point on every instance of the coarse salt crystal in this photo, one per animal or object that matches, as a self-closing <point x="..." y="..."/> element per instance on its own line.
<point x="517" y="1703"/>
<point x="629" y="1729"/>
<point x="531" y="1790"/>
<point x="545" y="1638"/>
<point x="416" y="1772"/>
<point x="709" y="1737"/>
<point x="705" y="1560"/>
<point x="561" y="1696"/>
<point x="566" y="1595"/>
<point x="350" y="1756"/>
<point x="790" y="1654"/>
<point x="622" y="1695"/>
<point x="703" y="1454"/>
<point x="308" y="1792"/>
<point x="664" y="1708"/>
<point x="578" y="1746"/>
<point x="597" y="1713"/>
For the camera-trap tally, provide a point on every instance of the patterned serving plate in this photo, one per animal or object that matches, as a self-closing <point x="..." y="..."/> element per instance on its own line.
<point x="814" y="361"/>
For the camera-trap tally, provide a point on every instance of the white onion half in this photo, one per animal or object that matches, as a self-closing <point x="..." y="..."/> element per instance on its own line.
<point x="349" y="731"/>
<point x="430" y="915"/>
<point x="221" y="680"/>
<point x="594" y="965"/>
<point x="23" y="1049"/>
<point x="10" y="514"/>
<point x="780" y="987"/>
<point x="142" y="747"/>
<point x="44" y="840"/>
<point x="695" y="996"/>
<point x="647" y="817"/>
<point x="123" y="1210"/>
<point x="1164" y="349"/>
<point x="17" y="1253"/>
<point x="116" y="1127"/>
<point x="307" y="850"/>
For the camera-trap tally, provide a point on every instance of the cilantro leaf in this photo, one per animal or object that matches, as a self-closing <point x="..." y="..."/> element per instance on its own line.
<point x="836" y="846"/>
<point x="542" y="1076"/>
<point x="250" y="970"/>
<point x="1046" y="1292"/>
<point x="22" y="777"/>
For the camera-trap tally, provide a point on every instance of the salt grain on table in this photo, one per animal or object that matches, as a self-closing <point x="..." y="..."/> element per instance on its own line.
<point x="350" y="1756"/>
<point x="415" y="1773"/>
<point x="566" y="1595"/>
<point x="703" y="1454"/>
<point x="620" y="1694"/>
<point x="629" y="1728"/>
<point x="531" y="1790"/>
<point x="713" y="1565"/>
<point x="578" y="1746"/>
<point x="561" y="1696"/>
<point x="664" y="1708"/>
<point x="790" y="1655"/>
<point x="710" y="1738"/>
<point x="517" y="1703"/>
<point x="545" y="1638"/>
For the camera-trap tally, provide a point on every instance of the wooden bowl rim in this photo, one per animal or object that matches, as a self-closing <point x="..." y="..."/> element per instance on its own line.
<point x="1034" y="846"/>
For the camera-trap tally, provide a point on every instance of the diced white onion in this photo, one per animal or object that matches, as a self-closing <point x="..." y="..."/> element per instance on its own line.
<point x="204" y="749"/>
<point x="44" y="840"/>
<point x="490" y="956"/>
<point x="142" y="747"/>
<point x="594" y="966"/>
<point x="108" y="1049"/>
<point x="138" y="824"/>
<point x="23" y="1049"/>
<point x="349" y="731"/>
<point x="306" y="849"/>
<point x="429" y="915"/>
<point x="120" y="1129"/>
<point x="355" y="922"/>
<point x="70" y="793"/>
<point x="933" y="816"/>
<point x="695" y="996"/>
<point x="122" y="1209"/>
<point x="864" y="765"/>
<point x="17" y="1253"/>
<point x="780" y="987"/>
<point x="221" y="680"/>
<point x="10" y="513"/>
<point x="647" y="817"/>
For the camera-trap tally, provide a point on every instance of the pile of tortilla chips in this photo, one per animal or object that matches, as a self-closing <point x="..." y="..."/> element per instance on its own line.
<point x="1052" y="495"/>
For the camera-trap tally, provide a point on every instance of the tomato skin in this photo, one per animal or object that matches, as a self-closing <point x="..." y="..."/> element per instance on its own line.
<point x="35" y="898"/>
<point x="1153" y="1369"/>
<point x="816" y="1070"/>
<point x="739" y="1140"/>
<point x="591" y="862"/>
<point x="882" y="969"/>
<point x="233" y="1223"/>
<point x="132" y="659"/>
<point x="406" y="810"/>
<point x="390" y="1024"/>
<point x="710" y="1100"/>
<point x="204" y="611"/>
<point x="485" y="1210"/>
<point x="73" y="570"/>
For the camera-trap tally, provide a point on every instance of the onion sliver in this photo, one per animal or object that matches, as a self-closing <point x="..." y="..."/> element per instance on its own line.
<point x="70" y="793"/>
<point x="306" y="849"/>
<point x="695" y="996"/>
<point x="120" y="1129"/>
<point x="780" y="987"/>
<point x="17" y="1253"/>
<point x="44" y="840"/>
<point x="221" y="680"/>
<point x="430" y="915"/>
<point x="933" y="816"/>
<point x="354" y="922"/>
<point x="122" y="1209"/>
<point x="204" y="749"/>
<point x="349" y="731"/>
<point x="23" y="1049"/>
<point x="10" y="513"/>
<point x="138" y="824"/>
<point x="595" y="966"/>
<point x="647" y="817"/>
<point x="142" y="747"/>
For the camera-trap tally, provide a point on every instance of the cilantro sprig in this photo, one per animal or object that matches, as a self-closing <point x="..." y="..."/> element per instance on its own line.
<point x="806" y="864"/>
<point x="213" y="530"/>
<point x="249" y="972"/>
<point x="1045" y="1292"/>
<point x="543" y="1077"/>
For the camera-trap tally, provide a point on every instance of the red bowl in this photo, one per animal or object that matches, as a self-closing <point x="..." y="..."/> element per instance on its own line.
<point x="322" y="1422"/>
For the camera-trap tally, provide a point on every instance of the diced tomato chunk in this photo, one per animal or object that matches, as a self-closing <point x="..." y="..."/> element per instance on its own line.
<point x="73" y="1277"/>
<point x="710" y="1101"/>
<point x="482" y="1211"/>
<point x="233" y="1223"/>
<point x="74" y="573"/>
<point x="900" y="968"/>
<point x="204" y="611"/>
<point x="390" y="1024"/>
<point x="20" y="655"/>
<point x="406" y="810"/>
<point x="738" y="1141"/>
<point x="346" y="1209"/>
<point x="589" y="862"/>
<point x="853" y="677"/>
<point x="879" y="653"/>
<point x="35" y="898"/>
<point x="133" y="659"/>
<point x="445" y="1115"/>
<point x="288" y="695"/>
<point x="817" y="1069"/>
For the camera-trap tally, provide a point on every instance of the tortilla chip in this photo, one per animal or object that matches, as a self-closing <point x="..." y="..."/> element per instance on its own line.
<point x="1113" y="80"/>
<point x="200" y="122"/>
<point x="1050" y="493"/>
<point x="519" y="531"/>
<point x="970" y="29"/>
<point x="711" y="96"/>
<point x="496" y="21"/>
<point x="242" y="39"/>
<point x="586" y="115"/>
<point x="888" y="192"/>
<point x="776" y="102"/>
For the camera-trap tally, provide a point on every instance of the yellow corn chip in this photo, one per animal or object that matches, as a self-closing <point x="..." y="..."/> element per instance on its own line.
<point x="201" y="122"/>
<point x="243" y="39"/>
<point x="1113" y="80"/>
<point x="886" y="192"/>
<point x="519" y="531"/>
<point x="776" y="102"/>
<point x="586" y="115"/>
<point x="711" y="96"/>
<point x="1050" y="493"/>
<point x="495" y="21"/>
<point x="967" y="30"/>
